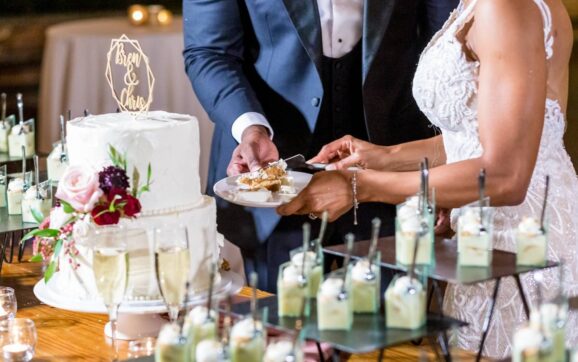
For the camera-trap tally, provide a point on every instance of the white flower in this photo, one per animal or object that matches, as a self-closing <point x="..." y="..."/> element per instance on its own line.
<point x="58" y="218"/>
<point x="81" y="229"/>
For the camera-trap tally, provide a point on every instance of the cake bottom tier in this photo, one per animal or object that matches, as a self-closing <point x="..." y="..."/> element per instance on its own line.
<point x="75" y="278"/>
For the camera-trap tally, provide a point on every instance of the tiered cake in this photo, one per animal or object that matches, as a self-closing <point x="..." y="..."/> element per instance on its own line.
<point x="170" y="144"/>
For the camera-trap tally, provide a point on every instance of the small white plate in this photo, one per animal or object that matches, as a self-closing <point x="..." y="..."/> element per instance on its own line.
<point x="228" y="190"/>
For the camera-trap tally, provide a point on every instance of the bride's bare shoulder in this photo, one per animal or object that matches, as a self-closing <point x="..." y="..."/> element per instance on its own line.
<point x="506" y="23"/>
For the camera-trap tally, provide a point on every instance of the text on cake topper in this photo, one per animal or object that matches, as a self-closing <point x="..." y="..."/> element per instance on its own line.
<point x="127" y="55"/>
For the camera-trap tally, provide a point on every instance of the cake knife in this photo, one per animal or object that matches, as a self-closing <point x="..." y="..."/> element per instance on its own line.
<point x="298" y="162"/>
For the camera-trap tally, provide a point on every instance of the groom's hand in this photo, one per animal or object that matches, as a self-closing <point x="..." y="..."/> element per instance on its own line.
<point x="255" y="151"/>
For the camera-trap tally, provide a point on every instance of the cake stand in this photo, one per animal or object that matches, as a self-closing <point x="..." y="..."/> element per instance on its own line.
<point x="136" y="319"/>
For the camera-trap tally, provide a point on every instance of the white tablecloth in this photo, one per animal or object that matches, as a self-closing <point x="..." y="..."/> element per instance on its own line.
<point x="73" y="75"/>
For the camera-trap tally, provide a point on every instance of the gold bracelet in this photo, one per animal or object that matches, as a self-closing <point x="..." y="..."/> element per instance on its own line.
<point x="355" y="202"/>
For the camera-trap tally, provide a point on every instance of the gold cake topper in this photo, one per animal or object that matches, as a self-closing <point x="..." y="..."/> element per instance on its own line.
<point x="127" y="54"/>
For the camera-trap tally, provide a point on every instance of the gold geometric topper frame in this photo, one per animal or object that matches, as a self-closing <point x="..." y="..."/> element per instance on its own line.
<point x="127" y="101"/>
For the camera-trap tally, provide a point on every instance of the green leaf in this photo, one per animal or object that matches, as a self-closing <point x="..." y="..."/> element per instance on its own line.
<point x="38" y="216"/>
<point x="149" y="174"/>
<point x="57" y="248"/>
<point x="67" y="207"/>
<point x="50" y="271"/>
<point x="45" y="233"/>
<point x="36" y="258"/>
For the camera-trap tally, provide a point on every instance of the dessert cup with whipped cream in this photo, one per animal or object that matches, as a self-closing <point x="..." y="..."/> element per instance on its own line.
<point x="530" y="344"/>
<point x="57" y="162"/>
<point x="3" y="184"/>
<point x="171" y="346"/>
<point x="21" y="135"/>
<point x="292" y="290"/>
<point x="15" y="192"/>
<point x="531" y="243"/>
<point x="199" y="325"/>
<point x="5" y="128"/>
<point x="248" y="341"/>
<point x="550" y="319"/>
<point x="282" y="350"/>
<point x="405" y="303"/>
<point x="410" y="221"/>
<point x="37" y="202"/>
<point x="475" y="234"/>
<point x="335" y="302"/>
<point x="313" y="266"/>
<point x="210" y="350"/>
<point x="366" y="291"/>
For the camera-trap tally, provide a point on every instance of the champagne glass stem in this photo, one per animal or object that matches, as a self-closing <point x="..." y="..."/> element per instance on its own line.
<point x="113" y="317"/>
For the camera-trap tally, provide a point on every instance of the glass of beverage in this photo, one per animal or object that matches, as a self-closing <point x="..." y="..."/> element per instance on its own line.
<point x="110" y="266"/>
<point x="17" y="339"/>
<point x="172" y="264"/>
<point x="8" y="304"/>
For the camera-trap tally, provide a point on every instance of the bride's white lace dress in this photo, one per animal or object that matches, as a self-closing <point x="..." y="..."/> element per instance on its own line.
<point x="445" y="88"/>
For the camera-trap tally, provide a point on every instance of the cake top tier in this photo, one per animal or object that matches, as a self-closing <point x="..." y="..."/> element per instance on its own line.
<point x="168" y="142"/>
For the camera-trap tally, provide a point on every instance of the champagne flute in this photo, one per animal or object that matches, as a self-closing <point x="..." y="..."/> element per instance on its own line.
<point x="110" y="266"/>
<point x="172" y="263"/>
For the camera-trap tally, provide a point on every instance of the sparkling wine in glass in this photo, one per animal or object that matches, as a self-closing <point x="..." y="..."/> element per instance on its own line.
<point x="110" y="266"/>
<point x="17" y="339"/>
<point x="172" y="263"/>
<point x="8" y="304"/>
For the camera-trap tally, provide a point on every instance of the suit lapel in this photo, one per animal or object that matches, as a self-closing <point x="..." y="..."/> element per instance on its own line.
<point x="305" y="17"/>
<point x="376" y="17"/>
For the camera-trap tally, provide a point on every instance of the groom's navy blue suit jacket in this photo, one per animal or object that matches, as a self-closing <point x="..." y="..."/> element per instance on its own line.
<point x="265" y="56"/>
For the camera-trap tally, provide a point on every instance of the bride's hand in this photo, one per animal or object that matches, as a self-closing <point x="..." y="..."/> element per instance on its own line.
<point x="329" y="191"/>
<point x="349" y="151"/>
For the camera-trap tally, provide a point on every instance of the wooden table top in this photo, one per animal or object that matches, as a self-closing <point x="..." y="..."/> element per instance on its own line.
<point x="63" y="335"/>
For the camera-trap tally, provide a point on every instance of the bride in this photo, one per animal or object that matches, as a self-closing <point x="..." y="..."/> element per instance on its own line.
<point x="495" y="81"/>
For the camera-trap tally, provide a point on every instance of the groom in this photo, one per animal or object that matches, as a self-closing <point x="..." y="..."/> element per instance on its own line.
<point x="281" y="77"/>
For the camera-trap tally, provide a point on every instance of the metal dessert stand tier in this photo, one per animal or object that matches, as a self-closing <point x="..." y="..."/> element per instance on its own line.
<point x="136" y="318"/>
<point x="446" y="269"/>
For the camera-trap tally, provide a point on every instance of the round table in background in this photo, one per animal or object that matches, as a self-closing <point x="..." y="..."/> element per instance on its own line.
<point x="73" y="75"/>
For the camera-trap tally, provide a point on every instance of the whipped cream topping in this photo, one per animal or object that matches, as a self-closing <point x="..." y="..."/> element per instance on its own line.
<point x="331" y="287"/>
<point x="291" y="274"/>
<point x="278" y="351"/>
<point x="360" y="270"/>
<point x="310" y="259"/>
<point x="209" y="350"/>
<point x="170" y="334"/>
<point x="530" y="226"/>
<point x="16" y="185"/>
<point x="527" y="337"/>
<point x="404" y="283"/>
<point x="245" y="329"/>
<point x="31" y="193"/>
<point x="470" y="221"/>
<point x="198" y="315"/>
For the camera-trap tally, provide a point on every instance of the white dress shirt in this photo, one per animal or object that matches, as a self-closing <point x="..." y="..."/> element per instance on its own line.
<point x="341" y="28"/>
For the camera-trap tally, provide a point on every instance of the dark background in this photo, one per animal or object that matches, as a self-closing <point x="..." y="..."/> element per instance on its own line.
<point x="23" y="23"/>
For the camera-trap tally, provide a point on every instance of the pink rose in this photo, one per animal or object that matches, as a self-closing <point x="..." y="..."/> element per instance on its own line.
<point x="79" y="187"/>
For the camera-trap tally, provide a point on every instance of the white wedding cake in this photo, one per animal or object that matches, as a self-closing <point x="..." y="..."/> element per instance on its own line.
<point x="170" y="144"/>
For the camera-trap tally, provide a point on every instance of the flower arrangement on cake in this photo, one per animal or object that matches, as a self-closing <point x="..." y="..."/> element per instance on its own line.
<point x="86" y="199"/>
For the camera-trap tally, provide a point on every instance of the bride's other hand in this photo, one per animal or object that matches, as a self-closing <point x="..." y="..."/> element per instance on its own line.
<point x="443" y="223"/>
<point x="329" y="191"/>
<point x="349" y="151"/>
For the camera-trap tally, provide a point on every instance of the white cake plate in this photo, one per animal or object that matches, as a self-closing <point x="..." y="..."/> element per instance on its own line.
<point x="136" y="319"/>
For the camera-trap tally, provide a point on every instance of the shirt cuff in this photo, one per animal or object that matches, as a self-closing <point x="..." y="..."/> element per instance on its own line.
<point x="249" y="119"/>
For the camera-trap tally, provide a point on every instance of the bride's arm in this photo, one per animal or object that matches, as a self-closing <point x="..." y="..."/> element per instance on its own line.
<point x="507" y="38"/>
<point x="349" y="151"/>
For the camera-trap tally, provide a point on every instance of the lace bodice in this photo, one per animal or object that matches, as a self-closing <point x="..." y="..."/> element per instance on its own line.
<point x="446" y="83"/>
<point x="445" y="88"/>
